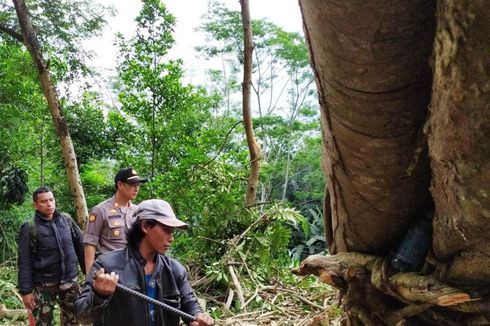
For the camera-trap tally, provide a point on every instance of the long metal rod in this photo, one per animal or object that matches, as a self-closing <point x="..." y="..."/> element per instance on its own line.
<point x="185" y="316"/>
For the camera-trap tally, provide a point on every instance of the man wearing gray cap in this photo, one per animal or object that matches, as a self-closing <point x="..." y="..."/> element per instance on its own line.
<point x="144" y="267"/>
<point x="108" y="221"/>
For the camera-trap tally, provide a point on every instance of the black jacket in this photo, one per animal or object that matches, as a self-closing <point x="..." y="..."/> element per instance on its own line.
<point x="56" y="257"/>
<point x="172" y="288"/>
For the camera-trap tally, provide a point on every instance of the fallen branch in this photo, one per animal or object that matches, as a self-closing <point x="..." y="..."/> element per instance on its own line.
<point x="238" y="287"/>
<point x="229" y="298"/>
<point x="338" y="270"/>
<point x="253" y="296"/>
<point x="297" y="296"/>
<point x="413" y="287"/>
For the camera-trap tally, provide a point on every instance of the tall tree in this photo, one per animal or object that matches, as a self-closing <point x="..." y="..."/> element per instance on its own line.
<point x="168" y="118"/>
<point x="253" y="147"/>
<point x="282" y="90"/>
<point x="60" y="27"/>
<point x="375" y="86"/>
<point x="32" y="44"/>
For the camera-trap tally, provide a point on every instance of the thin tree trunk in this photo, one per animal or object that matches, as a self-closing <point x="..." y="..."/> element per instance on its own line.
<point x="286" y="176"/>
<point x="253" y="147"/>
<point x="41" y="154"/>
<point x="32" y="45"/>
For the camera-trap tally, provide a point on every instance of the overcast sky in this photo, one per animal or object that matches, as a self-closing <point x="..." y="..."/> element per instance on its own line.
<point x="284" y="13"/>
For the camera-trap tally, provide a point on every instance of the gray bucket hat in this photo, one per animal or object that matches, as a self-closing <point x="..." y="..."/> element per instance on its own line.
<point x="160" y="211"/>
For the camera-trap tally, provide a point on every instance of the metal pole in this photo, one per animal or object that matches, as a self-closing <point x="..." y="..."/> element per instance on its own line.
<point x="185" y="316"/>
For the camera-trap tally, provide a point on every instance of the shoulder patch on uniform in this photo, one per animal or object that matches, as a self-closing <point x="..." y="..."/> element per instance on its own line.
<point x="92" y="217"/>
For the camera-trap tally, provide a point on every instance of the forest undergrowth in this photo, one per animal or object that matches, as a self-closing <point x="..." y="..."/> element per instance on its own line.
<point x="292" y="301"/>
<point x="240" y="269"/>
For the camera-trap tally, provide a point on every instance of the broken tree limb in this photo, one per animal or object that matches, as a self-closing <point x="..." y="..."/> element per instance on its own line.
<point x="238" y="287"/>
<point x="229" y="298"/>
<point x="415" y="287"/>
<point x="338" y="270"/>
<point x="299" y="297"/>
<point x="253" y="296"/>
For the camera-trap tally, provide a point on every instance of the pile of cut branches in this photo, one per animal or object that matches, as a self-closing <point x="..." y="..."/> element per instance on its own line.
<point x="276" y="304"/>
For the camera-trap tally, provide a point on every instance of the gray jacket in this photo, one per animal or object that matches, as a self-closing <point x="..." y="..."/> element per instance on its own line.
<point x="120" y="308"/>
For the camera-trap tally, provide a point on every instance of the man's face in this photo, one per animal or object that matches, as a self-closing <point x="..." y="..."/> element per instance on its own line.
<point x="128" y="190"/>
<point x="45" y="204"/>
<point x="159" y="238"/>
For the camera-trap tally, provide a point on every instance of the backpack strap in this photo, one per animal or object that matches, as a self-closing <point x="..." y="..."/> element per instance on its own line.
<point x="67" y="217"/>
<point x="33" y="235"/>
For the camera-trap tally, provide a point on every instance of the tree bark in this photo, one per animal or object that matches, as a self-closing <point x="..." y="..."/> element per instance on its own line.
<point x="32" y="45"/>
<point x="253" y="147"/>
<point x="371" y="62"/>
<point x="459" y="140"/>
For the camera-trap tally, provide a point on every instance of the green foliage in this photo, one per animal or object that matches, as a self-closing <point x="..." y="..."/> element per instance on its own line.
<point x="7" y="287"/>
<point x="258" y="252"/>
<point x="11" y="220"/>
<point x="168" y="117"/>
<point x="61" y="26"/>
<point x="188" y="140"/>
<point x="310" y="240"/>
<point x="286" y="118"/>
<point x="97" y="180"/>
<point x="88" y="128"/>
<point x="210" y="198"/>
<point x="13" y="186"/>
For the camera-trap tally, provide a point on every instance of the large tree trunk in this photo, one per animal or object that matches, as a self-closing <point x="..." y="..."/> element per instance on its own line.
<point x="371" y="60"/>
<point x="459" y="140"/>
<point x="372" y="66"/>
<point x="32" y="45"/>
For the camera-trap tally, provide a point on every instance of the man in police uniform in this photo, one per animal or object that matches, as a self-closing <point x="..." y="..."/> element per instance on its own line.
<point x="107" y="222"/>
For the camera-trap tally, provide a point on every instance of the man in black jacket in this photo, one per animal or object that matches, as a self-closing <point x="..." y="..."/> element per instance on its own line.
<point x="50" y="249"/>
<point x="141" y="266"/>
